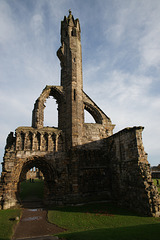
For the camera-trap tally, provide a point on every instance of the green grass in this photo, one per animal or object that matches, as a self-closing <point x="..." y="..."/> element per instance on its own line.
<point x="7" y="222"/>
<point x="155" y="183"/>
<point x="103" y="221"/>
<point x="28" y="189"/>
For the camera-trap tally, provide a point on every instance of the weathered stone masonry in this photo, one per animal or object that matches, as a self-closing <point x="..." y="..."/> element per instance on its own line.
<point x="80" y="162"/>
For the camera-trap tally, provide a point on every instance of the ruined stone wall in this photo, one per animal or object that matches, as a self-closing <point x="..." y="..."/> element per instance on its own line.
<point x="131" y="182"/>
<point x="34" y="173"/>
<point x="94" y="175"/>
<point x="44" y="149"/>
<point x="93" y="132"/>
<point x="116" y="168"/>
<point x="43" y="140"/>
<point x="113" y="168"/>
<point x="55" y="172"/>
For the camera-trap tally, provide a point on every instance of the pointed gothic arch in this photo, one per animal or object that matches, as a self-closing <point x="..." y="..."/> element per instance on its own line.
<point x="51" y="112"/>
<point x="38" y="111"/>
<point x="47" y="170"/>
<point x="94" y="112"/>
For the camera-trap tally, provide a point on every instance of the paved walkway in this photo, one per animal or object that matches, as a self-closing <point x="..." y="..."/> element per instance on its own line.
<point x="34" y="225"/>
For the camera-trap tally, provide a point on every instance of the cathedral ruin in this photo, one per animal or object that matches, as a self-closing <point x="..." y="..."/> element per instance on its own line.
<point x="80" y="162"/>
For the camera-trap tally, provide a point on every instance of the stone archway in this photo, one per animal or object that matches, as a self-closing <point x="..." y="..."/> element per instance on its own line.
<point x="94" y="112"/>
<point x="38" y="111"/>
<point x="47" y="170"/>
<point x="12" y="179"/>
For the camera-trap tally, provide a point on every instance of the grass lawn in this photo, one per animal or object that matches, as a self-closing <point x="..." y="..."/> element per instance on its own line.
<point x="103" y="221"/>
<point x="7" y="222"/>
<point x="28" y="189"/>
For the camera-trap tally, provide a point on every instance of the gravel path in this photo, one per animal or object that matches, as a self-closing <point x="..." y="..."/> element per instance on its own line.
<point x="33" y="223"/>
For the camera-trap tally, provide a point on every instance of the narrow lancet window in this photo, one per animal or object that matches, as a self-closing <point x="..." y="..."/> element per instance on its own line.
<point x="74" y="94"/>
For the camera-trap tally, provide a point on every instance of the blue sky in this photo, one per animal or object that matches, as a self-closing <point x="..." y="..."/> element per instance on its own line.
<point x="120" y="54"/>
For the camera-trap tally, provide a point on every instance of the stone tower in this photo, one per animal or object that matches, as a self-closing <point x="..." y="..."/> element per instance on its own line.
<point x="71" y="98"/>
<point x="70" y="56"/>
<point x="80" y="161"/>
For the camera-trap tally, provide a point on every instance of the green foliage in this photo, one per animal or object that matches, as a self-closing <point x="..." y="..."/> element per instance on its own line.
<point x="7" y="222"/>
<point x="103" y="221"/>
<point x="155" y="183"/>
<point x="28" y="189"/>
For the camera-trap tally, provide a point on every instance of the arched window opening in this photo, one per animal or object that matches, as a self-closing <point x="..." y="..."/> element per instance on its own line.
<point x="51" y="113"/>
<point x="53" y="142"/>
<point x="88" y="118"/>
<point x="60" y="143"/>
<point x="73" y="32"/>
<point x="37" y="141"/>
<point x="22" y="141"/>
<point x="93" y="111"/>
<point x="46" y="142"/>
<point x="30" y="143"/>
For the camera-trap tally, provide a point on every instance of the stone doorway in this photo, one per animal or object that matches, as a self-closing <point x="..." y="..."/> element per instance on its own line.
<point x="31" y="190"/>
<point x="34" y="171"/>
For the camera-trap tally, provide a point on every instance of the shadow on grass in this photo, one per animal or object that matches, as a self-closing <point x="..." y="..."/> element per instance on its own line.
<point x="1" y="238"/>
<point x="107" y="208"/>
<point x="142" y="232"/>
<point x="4" y="238"/>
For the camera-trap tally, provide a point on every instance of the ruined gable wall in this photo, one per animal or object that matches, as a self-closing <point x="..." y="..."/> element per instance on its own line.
<point x="132" y="185"/>
<point x="116" y="168"/>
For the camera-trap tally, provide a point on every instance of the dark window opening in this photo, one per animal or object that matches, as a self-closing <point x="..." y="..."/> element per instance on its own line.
<point x="46" y="141"/>
<point x="38" y="136"/>
<point x="22" y="140"/>
<point x="73" y="32"/>
<point x="30" y="141"/>
<point x="74" y="95"/>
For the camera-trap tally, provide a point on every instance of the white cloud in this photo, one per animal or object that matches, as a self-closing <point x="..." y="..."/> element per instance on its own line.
<point x="7" y="25"/>
<point x="149" y="48"/>
<point x="37" y="24"/>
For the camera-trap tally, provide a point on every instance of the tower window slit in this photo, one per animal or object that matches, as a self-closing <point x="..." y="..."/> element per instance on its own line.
<point x="74" y="94"/>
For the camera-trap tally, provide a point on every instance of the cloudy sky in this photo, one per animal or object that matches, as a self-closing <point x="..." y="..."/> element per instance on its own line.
<point x="121" y="61"/>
